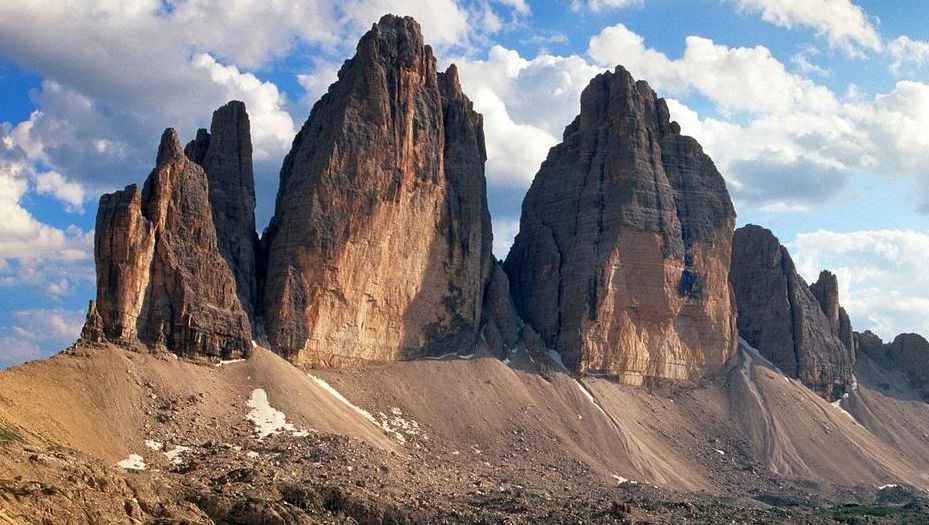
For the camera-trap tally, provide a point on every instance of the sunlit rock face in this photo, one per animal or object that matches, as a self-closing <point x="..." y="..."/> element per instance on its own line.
<point x="621" y="263"/>
<point x="380" y="245"/>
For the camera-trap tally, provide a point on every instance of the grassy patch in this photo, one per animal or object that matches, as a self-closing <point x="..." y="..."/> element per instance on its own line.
<point x="9" y="435"/>
<point x="855" y="514"/>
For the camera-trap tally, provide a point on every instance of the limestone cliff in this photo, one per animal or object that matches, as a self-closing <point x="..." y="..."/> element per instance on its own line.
<point x="225" y="153"/>
<point x="781" y="317"/>
<point x="161" y="279"/>
<point x="380" y="245"/>
<point x="621" y="263"/>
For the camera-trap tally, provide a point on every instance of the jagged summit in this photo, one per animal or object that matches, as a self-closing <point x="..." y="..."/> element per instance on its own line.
<point x="622" y="258"/>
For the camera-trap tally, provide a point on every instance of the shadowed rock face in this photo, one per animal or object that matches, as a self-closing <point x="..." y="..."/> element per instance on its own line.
<point x="622" y="259"/>
<point x="781" y="317"/>
<point x="161" y="278"/>
<point x="826" y="291"/>
<point x="225" y="153"/>
<point x="908" y="353"/>
<point x="380" y="245"/>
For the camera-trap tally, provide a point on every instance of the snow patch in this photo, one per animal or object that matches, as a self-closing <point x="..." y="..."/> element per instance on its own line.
<point x="720" y="452"/>
<point x="267" y="420"/>
<point x="838" y="404"/>
<point x="888" y="486"/>
<point x="339" y="397"/>
<point x="229" y="362"/>
<point x="448" y="355"/>
<point x="174" y="455"/>
<point x="300" y="434"/>
<point x="151" y="444"/>
<point x="133" y="462"/>
<point x="398" y="426"/>
<point x="746" y="370"/>
<point x="621" y="480"/>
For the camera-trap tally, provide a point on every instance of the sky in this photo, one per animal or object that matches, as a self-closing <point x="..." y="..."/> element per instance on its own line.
<point x="815" y="111"/>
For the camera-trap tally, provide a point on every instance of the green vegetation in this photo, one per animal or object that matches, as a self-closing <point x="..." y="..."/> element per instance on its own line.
<point x="861" y="514"/>
<point x="9" y="435"/>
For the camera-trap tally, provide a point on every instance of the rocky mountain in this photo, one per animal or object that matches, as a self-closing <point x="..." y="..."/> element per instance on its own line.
<point x="826" y="291"/>
<point x="161" y="275"/>
<point x="380" y="245"/>
<point x="780" y="316"/>
<point x="621" y="263"/>
<point x="907" y="354"/>
<point x="225" y="153"/>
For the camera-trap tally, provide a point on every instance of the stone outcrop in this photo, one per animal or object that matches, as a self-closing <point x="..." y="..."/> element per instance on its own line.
<point x="225" y="153"/>
<point x="380" y="245"/>
<point x="161" y="279"/>
<point x="908" y="354"/>
<point x="621" y="263"/>
<point x="826" y="291"/>
<point x="502" y="324"/>
<point x="781" y="317"/>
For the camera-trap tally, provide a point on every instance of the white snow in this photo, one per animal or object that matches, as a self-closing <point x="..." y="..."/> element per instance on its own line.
<point x="838" y="404"/>
<point x="747" y="371"/>
<point x="621" y="480"/>
<point x="267" y="420"/>
<point x="254" y="344"/>
<point x="720" y="452"/>
<point x="336" y="394"/>
<point x="134" y="462"/>
<point x="450" y="354"/>
<point x="229" y="362"/>
<point x="888" y="486"/>
<point x="397" y="426"/>
<point x="506" y="361"/>
<point x="153" y="445"/>
<point x="300" y="434"/>
<point x="174" y="455"/>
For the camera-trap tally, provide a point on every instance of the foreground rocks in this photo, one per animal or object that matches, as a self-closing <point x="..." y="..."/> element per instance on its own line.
<point x="782" y="318"/>
<point x="621" y="263"/>
<point x="161" y="277"/>
<point x="380" y="245"/>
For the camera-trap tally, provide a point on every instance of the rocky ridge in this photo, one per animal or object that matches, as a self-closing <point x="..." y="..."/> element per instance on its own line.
<point x="907" y="353"/>
<point x="622" y="258"/>
<point x="780" y="316"/>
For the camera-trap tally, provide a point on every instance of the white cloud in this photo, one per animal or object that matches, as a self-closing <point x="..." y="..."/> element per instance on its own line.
<point x="597" y="5"/>
<point x="907" y="52"/>
<point x="881" y="273"/>
<point x="736" y="79"/>
<point x="54" y="184"/>
<point x="845" y="25"/>
<point x="54" y="324"/>
<point x="272" y="128"/>
<point x="505" y="231"/>
<point x="14" y="350"/>
<point x="526" y="104"/>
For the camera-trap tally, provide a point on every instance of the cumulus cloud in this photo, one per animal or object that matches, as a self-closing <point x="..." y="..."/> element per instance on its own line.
<point x="54" y="325"/>
<point x="598" y="5"/>
<point x="907" y="52"/>
<point x="526" y="105"/>
<point x="14" y="350"/>
<point x="845" y="25"/>
<point x="881" y="274"/>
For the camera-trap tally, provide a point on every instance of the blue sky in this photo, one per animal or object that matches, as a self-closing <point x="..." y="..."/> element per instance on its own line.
<point x="816" y="112"/>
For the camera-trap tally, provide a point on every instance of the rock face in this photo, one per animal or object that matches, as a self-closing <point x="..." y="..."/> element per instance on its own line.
<point x="380" y="245"/>
<point x="908" y="353"/>
<point x="161" y="278"/>
<point x="781" y="317"/>
<point x="225" y="153"/>
<point x="621" y="263"/>
<point x="826" y="291"/>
